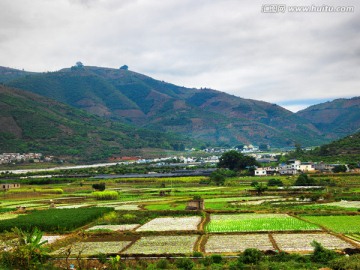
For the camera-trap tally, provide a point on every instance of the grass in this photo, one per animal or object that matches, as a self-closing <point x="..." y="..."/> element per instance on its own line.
<point x="339" y="224"/>
<point x="257" y="222"/>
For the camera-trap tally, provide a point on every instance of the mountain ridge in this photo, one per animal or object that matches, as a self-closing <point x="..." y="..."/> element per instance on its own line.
<point x="33" y="123"/>
<point x="338" y="118"/>
<point x="203" y="114"/>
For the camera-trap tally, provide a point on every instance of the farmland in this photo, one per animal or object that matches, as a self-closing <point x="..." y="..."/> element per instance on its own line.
<point x="257" y="222"/>
<point x="182" y="244"/>
<point x="147" y="217"/>
<point x="340" y="224"/>
<point x="302" y="241"/>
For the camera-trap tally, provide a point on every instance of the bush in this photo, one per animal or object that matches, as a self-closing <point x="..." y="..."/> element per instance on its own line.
<point x="207" y="261"/>
<point x="275" y="182"/>
<point x="162" y="264"/>
<point x="184" y="263"/>
<point x="216" y="258"/>
<point x="252" y="255"/>
<point x="321" y="254"/>
<point x="198" y="254"/>
<point x="346" y="263"/>
<point x="304" y="180"/>
<point x="99" y="186"/>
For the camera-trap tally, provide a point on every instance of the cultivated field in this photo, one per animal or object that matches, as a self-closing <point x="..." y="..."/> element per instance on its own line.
<point x="180" y="244"/>
<point x="237" y="243"/>
<point x="171" y="224"/>
<point x="257" y="222"/>
<point x="302" y="241"/>
<point x="340" y="224"/>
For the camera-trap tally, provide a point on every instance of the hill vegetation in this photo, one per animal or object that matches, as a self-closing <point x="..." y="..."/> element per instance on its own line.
<point x="31" y="123"/>
<point x="205" y="114"/>
<point x="345" y="150"/>
<point x="338" y="118"/>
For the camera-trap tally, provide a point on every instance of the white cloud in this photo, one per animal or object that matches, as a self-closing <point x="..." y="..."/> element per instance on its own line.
<point x="227" y="45"/>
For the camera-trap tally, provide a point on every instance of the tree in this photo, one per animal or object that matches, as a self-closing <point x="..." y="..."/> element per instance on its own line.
<point x="260" y="188"/>
<point x="124" y="67"/>
<point x="236" y="161"/>
<point x="275" y="182"/>
<point x="263" y="147"/>
<point x="339" y="168"/>
<point x="99" y="186"/>
<point x="304" y="180"/>
<point x="217" y="177"/>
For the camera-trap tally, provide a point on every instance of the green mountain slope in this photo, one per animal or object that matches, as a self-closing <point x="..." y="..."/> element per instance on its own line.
<point x="29" y="122"/>
<point x="346" y="150"/>
<point x="8" y="74"/>
<point x="205" y="114"/>
<point x="337" y="118"/>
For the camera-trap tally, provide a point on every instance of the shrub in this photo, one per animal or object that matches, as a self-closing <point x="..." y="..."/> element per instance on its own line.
<point x="254" y="183"/>
<point x="216" y="258"/>
<point x="207" y="261"/>
<point x="321" y="254"/>
<point x="184" y="263"/>
<point x="162" y="264"/>
<point x="198" y="254"/>
<point x="99" y="186"/>
<point x="28" y="253"/>
<point x="251" y="255"/>
<point x="346" y="263"/>
<point x="275" y="182"/>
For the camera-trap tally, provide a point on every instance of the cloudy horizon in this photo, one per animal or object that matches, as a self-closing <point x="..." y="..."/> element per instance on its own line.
<point x="294" y="59"/>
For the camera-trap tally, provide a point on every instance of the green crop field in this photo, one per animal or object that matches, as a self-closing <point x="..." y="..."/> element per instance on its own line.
<point x="340" y="224"/>
<point x="257" y="222"/>
<point x="54" y="220"/>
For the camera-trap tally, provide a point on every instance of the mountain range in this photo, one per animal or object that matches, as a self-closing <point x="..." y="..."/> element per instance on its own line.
<point x="33" y="123"/>
<point x="207" y="117"/>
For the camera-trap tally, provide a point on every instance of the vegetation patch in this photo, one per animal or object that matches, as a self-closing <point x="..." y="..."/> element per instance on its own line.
<point x="257" y="222"/>
<point x="54" y="220"/>
<point x="339" y="224"/>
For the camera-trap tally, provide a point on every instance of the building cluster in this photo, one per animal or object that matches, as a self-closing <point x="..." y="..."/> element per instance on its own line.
<point x="7" y="158"/>
<point x="295" y="167"/>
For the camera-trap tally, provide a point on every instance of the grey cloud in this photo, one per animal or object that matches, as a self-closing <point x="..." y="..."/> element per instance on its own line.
<point x="227" y="45"/>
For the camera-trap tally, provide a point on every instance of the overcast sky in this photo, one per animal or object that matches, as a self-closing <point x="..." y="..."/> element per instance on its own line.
<point x="294" y="59"/>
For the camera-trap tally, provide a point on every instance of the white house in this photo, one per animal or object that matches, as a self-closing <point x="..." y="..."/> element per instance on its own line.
<point x="260" y="172"/>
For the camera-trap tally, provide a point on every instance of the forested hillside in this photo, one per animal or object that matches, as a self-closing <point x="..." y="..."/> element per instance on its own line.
<point x="31" y="123"/>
